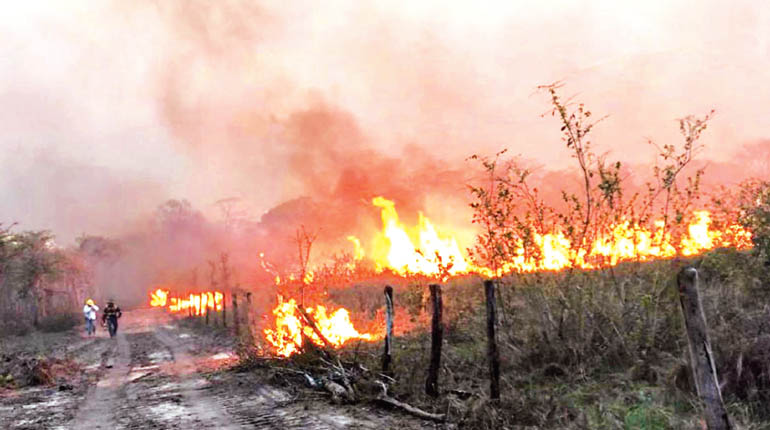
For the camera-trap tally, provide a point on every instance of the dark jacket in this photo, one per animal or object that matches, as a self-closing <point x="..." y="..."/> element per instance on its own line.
<point x="111" y="312"/>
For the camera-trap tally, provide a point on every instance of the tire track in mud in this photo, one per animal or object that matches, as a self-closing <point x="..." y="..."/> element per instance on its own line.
<point x="207" y="412"/>
<point x="271" y="408"/>
<point x="150" y="382"/>
<point x="158" y="379"/>
<point x="96" y="412"/>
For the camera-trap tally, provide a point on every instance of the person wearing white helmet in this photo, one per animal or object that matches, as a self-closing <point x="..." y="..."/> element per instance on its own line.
<point x="89" y="311"/>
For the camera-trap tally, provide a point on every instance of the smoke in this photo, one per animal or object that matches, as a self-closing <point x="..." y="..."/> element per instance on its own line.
<point x="301" y="113"/>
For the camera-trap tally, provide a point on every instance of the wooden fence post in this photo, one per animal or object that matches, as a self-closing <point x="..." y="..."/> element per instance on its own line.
<point x="493" y="356"/>
<point x="235" y="314"/>
<point x="387" y="354"/>
<point x="247" y="318"/>
<point x="701" y="358"/>
<point x="437" y="334"/>
<point x="206" y="307"/>
<point x="224" y="309"/>
<point x="248" y="308"/>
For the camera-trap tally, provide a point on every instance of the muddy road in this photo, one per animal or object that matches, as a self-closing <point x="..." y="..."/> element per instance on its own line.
<point x="158" y="373"/>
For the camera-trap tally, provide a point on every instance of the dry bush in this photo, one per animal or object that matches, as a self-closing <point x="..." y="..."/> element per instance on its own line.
<point x="59" y="322"/>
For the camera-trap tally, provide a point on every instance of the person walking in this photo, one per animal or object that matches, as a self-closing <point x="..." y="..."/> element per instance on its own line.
<point x="110" y="317"/>
<point x="89" y="311"/>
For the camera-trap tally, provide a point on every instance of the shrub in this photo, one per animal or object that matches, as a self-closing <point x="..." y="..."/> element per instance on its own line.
<point x="59" y="322"/>
<point x="755" y="215"/>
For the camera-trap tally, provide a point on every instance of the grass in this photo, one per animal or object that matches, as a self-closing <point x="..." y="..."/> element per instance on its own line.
<point x="594" y="349"/>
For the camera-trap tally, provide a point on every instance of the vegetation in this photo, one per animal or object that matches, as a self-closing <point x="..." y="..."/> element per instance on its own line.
<point x="41" y="284"/>
<point x="580" y="348"/>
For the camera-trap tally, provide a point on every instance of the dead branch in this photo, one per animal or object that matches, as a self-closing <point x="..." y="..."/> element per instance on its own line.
<point x="390" y="401"/>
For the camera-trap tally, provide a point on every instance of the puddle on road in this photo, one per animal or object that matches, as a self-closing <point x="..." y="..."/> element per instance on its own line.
<point x="168" y="411"/>
<point x="160" y="356"/>
<point x="336" y="420"/>
<point x="56" y="399"/>
<point x="223" y="356"/>
<point x="133" y="376"/>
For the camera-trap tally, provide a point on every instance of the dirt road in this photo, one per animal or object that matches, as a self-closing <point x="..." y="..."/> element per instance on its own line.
<point x="159" y="374"/>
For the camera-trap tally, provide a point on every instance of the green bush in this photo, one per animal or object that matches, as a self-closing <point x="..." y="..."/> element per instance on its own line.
<point x="755" y="215"/>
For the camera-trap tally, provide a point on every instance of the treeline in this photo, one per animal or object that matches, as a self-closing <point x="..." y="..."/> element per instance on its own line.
<point x="41" y="284"/>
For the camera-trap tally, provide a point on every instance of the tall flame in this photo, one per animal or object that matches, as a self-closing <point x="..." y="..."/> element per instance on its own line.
<point x="195" y="303"/>
<point x="159" y="297"/>
<point x="428" y="253"/>
<point x="424" y="250"/>
<point x="290" y="329"/>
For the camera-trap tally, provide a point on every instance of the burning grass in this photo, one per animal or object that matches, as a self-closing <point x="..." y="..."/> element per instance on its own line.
<point x="294" y="325"/>
<point x="590" y="331"/>
<point x="606" y="350"/>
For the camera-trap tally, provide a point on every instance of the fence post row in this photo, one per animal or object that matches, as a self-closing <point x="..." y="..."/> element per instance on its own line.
<point x="437" y="334"/>
<point x="387" y="354"/>
<point x="493" y="355"/>
<point x="701" y="358"/>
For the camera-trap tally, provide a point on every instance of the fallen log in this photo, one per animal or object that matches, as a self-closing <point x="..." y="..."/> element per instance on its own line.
<point x="417" y="412"/>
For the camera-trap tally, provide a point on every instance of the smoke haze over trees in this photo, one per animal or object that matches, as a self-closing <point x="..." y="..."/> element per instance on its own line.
<point x="131" y="122"/>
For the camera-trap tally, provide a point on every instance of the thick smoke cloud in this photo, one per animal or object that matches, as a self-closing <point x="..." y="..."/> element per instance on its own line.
<point x="108" y="110"/>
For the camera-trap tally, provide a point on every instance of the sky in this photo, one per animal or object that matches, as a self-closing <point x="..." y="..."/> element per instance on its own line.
<point x="109" y="108"/>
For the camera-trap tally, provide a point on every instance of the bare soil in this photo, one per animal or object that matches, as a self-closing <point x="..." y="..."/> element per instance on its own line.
<point x="159" y="373"/>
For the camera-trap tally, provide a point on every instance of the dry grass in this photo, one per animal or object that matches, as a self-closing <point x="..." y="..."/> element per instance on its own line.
<point x="594" y="349"/>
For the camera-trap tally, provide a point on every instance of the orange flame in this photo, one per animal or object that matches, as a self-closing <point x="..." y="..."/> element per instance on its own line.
<point x="158" y="298"/>
<point x="291" y="329"/>
<point x="197" y="304"/>
<point x="428" y="253"/>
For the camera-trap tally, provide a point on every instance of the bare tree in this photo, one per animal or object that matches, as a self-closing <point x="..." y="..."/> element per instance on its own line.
<point x="304" y="240"/>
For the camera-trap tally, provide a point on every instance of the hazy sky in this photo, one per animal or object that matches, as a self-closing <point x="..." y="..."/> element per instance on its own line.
<point x="108" y="108"/>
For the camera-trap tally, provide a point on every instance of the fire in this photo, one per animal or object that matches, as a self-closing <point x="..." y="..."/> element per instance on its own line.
<point x="358" y="253"/>
<point x="193" y="303"/>
<point x="425" y="249"/>
<point x="158" y="298"/>
<point x="426" y="252"/>
<point x="291" y="328"/>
